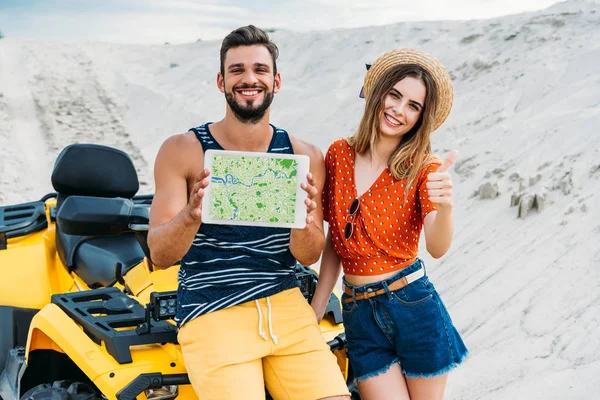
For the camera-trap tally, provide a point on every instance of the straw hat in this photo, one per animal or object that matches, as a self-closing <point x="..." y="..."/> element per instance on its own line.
<point x="427" y="62"/>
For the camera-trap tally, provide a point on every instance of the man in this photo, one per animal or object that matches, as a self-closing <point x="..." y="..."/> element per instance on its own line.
<point x="243" y="322"/>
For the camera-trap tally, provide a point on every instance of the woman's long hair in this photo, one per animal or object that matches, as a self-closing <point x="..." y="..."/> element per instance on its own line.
<point x="412" y="153"/>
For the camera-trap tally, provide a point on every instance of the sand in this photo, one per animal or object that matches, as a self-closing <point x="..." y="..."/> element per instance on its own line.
<point x="522" y="278"/>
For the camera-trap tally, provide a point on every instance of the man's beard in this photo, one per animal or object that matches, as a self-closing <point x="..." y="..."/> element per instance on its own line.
<point x="248" y="113"/>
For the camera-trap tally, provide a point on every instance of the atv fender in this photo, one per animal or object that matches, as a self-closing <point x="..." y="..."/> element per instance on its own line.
<point x="14" y="328"/>
<point x="52" y="329"/>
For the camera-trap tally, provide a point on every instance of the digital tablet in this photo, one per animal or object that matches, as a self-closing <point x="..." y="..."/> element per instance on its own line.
<point x="255" y="189"/>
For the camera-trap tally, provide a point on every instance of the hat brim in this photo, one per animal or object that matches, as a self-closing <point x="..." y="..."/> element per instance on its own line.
<point x="441" y="77"/>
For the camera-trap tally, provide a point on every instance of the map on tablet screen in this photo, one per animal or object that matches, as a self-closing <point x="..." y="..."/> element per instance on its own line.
<point x="256" y="189"/>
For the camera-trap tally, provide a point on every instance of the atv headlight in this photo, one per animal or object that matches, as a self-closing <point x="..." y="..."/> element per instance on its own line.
<point x="164" y="305"/>
<point x="307" y="284"/>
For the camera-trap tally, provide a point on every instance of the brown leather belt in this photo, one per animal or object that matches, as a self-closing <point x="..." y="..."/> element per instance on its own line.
<point x="396" y="285"/>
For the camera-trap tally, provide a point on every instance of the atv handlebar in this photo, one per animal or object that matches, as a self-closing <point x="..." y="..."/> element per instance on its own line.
<point x="338" y="342"/>
<point x="151" y="381"/>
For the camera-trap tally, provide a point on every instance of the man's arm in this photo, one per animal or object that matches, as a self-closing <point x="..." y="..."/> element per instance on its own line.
<point x="175" y="214"/>
<point x="307" y="244"/>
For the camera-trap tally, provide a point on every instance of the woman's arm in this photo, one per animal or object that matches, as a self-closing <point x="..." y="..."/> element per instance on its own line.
<point x="306" y="244"/>
<point x="438" y="225"/>
<point x="439" y="228"/>
<point x="329" y="273"/>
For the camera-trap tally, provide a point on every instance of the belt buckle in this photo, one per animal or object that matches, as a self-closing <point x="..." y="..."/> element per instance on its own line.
<point x="369" y="293"/>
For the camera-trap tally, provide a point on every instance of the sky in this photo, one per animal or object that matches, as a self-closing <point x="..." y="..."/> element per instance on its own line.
<point x="184" y="21"/>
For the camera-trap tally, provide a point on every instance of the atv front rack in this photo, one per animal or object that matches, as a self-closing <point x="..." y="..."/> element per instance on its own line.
<point x="100" y="311"/>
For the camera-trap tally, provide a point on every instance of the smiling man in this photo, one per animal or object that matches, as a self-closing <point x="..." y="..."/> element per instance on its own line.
<point x="249" y="101"/>
<point x="243" y="322"/>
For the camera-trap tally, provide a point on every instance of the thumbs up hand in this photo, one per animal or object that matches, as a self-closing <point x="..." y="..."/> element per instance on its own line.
<point x="439" y="183"/>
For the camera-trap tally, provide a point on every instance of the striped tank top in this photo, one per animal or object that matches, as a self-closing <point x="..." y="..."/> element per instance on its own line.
<point x="229" y="265"/>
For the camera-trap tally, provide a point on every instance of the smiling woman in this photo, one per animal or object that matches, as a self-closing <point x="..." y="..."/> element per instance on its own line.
<point x="383" y="187"/>
<point x="401" y="112"/>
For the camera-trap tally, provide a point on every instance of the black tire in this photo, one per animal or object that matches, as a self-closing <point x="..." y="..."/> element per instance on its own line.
<point x="62" y="390"/>
<point x="354" y="394"/>
<point x="352" y="386"/>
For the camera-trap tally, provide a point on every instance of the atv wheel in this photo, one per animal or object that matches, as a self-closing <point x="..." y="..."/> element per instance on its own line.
<point x="354" y="395"/>
<point x="62" y="390"/>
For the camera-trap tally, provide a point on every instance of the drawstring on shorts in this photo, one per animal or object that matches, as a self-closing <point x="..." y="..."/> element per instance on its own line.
<point x="269" y="322"/>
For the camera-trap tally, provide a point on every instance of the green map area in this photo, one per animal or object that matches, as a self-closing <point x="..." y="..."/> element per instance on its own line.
<point x="253" y="189"/>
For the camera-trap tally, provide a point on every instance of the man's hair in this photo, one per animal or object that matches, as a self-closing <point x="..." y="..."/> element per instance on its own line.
<point x="248" y="36"/>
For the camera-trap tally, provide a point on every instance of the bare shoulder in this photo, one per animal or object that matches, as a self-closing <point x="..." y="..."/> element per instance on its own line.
<point x="182" y="142"/>
<point x="309" y="149"/>
<point x="181" y="151"/>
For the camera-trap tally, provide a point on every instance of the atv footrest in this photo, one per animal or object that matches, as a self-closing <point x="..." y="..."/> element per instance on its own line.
<point x="150" y="381"/>
<point x="101" y="311"/>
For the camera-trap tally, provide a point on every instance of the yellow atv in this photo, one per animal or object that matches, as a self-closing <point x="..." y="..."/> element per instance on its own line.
<point x="84" y="314"/>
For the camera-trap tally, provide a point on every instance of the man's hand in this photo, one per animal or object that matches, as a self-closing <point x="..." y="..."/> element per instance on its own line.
<point x="312" y="192"/>
<point x="439" y="183"/>
<point x="194" y="206"/>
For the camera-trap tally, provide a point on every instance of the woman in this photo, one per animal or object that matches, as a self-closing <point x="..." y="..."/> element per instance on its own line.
<point x="383" y="185"/>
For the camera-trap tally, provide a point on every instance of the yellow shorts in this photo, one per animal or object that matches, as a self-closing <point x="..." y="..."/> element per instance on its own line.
<point x="233" y="353"/>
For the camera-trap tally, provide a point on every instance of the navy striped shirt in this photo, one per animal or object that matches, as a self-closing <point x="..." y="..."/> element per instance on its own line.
<point x="229" y="265"/>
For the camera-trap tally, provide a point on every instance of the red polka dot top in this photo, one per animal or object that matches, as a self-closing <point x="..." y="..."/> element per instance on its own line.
<point x="386" y="231"/>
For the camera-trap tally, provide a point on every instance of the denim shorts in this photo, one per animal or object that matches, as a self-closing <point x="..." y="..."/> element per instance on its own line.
<point x="409" y="326"/>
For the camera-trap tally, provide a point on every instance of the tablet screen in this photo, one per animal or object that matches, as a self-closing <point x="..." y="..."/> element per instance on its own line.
<point x="255" y="189"/>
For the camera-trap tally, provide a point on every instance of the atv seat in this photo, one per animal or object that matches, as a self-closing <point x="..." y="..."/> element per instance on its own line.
<point x="100" y="171"/>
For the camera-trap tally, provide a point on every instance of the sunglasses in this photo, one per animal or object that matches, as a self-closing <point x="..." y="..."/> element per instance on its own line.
<point x="350" y="218"/>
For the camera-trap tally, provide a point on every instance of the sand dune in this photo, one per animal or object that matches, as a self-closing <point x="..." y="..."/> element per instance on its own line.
<point x="524" y="292"/>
